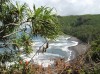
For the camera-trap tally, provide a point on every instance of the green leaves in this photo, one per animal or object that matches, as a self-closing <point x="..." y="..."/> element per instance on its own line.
<point x="25" y="42"/>
<point x="95" y="45"/>
<point x="20" y="9"/>
<point x="44" y="22"/>
<point x="11" y="15"/>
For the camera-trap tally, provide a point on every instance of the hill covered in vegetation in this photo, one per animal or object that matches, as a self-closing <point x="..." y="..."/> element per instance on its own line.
<point x="84" y="27"/>
<point x="87" y="29"/>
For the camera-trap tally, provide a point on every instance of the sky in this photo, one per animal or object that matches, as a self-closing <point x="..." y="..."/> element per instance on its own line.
<point x="68" y="7"/>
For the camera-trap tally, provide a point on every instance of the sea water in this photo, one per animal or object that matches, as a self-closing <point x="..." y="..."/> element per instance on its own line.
<point x="58" y="48"/>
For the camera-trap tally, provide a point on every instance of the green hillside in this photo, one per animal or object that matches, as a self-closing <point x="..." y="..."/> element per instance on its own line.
<point x="85" y="27"/>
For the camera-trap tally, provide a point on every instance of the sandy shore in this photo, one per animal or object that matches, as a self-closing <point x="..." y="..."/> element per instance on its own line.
<point x="79" y="49"/>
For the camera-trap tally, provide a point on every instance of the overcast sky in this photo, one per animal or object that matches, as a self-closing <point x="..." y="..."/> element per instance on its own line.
<point x="69" y="7"/>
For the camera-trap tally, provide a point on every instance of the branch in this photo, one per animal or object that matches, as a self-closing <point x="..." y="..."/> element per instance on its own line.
<point x="12" y="33"/>
<point x="6" y="43"/>
<point x="1" y="31"/>
<point x="14" y="24"/>
<point x="36" y="53"/>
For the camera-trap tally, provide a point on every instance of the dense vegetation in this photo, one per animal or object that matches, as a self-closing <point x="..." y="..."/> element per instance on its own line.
<point x="14" y="18"/>
<point x="87" y="29"/>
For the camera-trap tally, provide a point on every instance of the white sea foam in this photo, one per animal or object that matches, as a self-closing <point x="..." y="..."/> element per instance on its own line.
<point x="57" y="48"/>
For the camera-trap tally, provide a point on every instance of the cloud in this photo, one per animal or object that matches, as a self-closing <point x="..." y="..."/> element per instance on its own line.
<point x="69" y="7"/>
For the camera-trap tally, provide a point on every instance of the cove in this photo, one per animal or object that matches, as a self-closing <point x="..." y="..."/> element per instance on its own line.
<point x="57" y="48"/>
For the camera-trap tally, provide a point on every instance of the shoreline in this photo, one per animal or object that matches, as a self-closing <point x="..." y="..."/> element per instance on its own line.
<point x="79" y="49"/>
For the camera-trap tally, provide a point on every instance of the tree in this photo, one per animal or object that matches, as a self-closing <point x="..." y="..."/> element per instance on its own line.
<point x="44" y="22"/>
<point x="81" y="21"/>
<point x="15" y="19"/>
<point x="11" y="17"/>
<point x="1" y="2"/>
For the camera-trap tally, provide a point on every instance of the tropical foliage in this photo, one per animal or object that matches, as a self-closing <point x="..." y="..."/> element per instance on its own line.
<point x="85" y="28"/>
<point x="15" y="18"/>
<point x="15" y="22"/>
<point x="44" y="22"/>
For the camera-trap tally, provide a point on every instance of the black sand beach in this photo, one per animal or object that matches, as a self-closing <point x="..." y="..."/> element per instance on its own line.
<point x="79" y="49"/>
